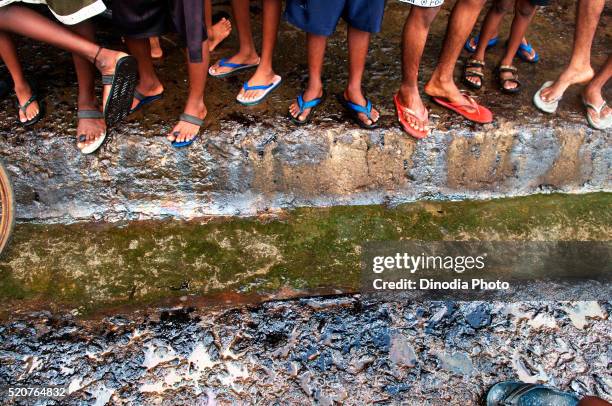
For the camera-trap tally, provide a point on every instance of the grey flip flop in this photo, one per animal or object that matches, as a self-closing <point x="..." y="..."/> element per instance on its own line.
<point x="94" y="146"/>
<point x="601" y="124"/>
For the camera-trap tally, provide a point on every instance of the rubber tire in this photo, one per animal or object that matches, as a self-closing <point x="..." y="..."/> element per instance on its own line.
<point x="7" y="221"/>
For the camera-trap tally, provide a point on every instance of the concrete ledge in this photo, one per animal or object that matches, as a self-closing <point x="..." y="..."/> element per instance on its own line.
<point x="245" y="169"/>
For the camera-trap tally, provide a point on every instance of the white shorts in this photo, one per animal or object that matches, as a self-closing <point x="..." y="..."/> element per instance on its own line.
<point x="424" y="3"/>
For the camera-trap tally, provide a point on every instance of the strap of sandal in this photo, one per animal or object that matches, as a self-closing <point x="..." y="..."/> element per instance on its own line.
<point x="508" y="68"/>
<point x="303" y="105"/>
<point x="108" y="79"/>
<point x="597" y="110"/>
<point x="475" y="63"/>
<point x="188" y="118"/>
<point x="25" y="105"/>
<point x="91" y="114"/>
<point x="367" y="109"/>
<point x="139" y="96"/>
<point x="470" y="72"/>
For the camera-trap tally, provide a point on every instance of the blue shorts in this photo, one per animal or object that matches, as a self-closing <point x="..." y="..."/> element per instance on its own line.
<point x="320" y="17"/>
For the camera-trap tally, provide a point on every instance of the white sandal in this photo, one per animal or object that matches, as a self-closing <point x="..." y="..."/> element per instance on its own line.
<point x="546" y="106"/>
<point x="600" y="124"/>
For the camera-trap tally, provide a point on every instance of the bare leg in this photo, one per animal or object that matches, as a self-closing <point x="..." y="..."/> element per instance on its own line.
<point x="316" y="56"/>
<point x="358" y="43"/>
<point x="593" y="91"/>
<point x="489" y="30"/>
<point x="522" y="18"/>
<point x="264" y="75"/>
<point x="195" y="106"/>
<point x="8" y="53"/>
<point x="156" y="50"/>
<point x="462" y="21"/>
<point x="148" y="84"/>
<point x="579" y="69"/>
<point x="23" y="21"/>
<point x="592" y="401"/>
<point x="247" y="54"/>
<point x="88" y="129"/>
<point x="416" y="30"/>
<point x="218" y="32"/>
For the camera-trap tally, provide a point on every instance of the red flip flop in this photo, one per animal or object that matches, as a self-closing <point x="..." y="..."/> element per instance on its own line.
<point x="481" y="115"/>
<point x="402" y="112"/>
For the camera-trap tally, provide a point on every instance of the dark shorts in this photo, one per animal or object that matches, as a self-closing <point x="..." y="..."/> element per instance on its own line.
<point x="151" y="18"/>
<point x="320" y="17"/>
<point x="540" y="2"/>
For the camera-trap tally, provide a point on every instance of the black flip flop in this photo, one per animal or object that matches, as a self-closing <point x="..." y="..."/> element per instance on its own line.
<point x="123" y="83"/>
<point x="24" y="107"/>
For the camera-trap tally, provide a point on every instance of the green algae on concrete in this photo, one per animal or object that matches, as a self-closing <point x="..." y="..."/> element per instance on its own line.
<point x="91" y="266"/>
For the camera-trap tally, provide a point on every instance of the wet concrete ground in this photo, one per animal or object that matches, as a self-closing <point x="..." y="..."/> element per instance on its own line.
<point x="252" y="160"/>
<point x="346" y="350"/>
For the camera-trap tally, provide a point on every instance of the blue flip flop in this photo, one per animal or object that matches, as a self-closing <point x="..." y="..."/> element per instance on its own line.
<point x="267" y="90"/>
<point x="188" y="118"/>
<point x="236" y="68"/>
<point x="356" y="109"/>
<point x="303" y="105"/>
<point x="144" y="100"/>
<point x="468" y="46"/>
<point x="527" y="48"/>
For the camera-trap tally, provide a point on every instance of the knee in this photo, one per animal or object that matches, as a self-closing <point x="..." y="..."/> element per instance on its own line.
<point x="503" y="6"/>
<point x="426" y="15"/>
<point x="524" y="8"/>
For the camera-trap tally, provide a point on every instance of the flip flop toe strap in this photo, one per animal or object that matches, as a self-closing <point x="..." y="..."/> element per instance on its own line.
<point x="597" y="110"/>
<point x="303" y="105"/>
<point x="90" y="114"/>
<point x="25" y="105"/>
<point x="188" y="118"/>
<point x="246" y="87"/>
<point x="139" y="96"/>
<point x="367" y="109"/>
<point x="108" y="79"/>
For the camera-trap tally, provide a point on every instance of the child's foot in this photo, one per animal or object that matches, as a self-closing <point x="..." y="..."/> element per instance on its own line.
<point x="106" y="63"/>
<point x="355" y="96"/>
<point x="89" y="130"/>
<point x="311" y="93"/>
<point x="410" y="98"/>
<point x="24" y="93"/>
<point x="219" y="32"/>
<point x="258" y="79"/>
<point x="527" y="56"/>
<point x="156" y="51"/>
<point x="184" y="131"/>
<point x="238" y="59"/>
<point x="147" y="89"/>
<point x="570" y="76"/>
<point x="593" y="97"/>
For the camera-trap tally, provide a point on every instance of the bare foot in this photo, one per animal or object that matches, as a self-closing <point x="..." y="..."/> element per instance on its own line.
<point x="409" y="97"/>
<point x="311" y="93"/>
<point x="239" y="58"/>
<point x="355" y="96"/>
<point x="258" y="79"/>
<point x="570" y="76"/>
<point x="184" y="131"/>
<point x="219" y="32"/>
<point x="449" y="92"/>
<point x="156" y="51"/>
<point x="24" y="92"/>
<point x="89" y="130"/>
